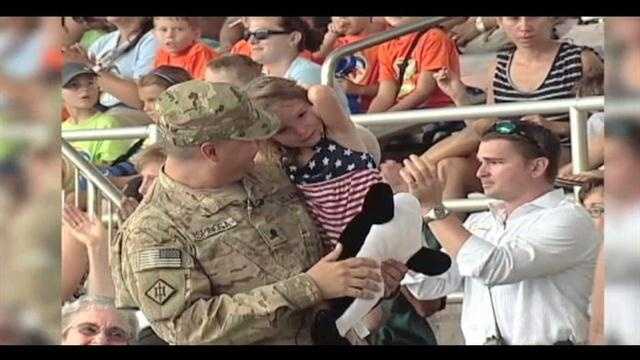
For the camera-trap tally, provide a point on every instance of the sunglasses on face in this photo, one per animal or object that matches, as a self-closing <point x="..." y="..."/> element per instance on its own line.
<point x="514" y="128"/>
<point x="113" y="334"/>
<point x="263" y="34"/>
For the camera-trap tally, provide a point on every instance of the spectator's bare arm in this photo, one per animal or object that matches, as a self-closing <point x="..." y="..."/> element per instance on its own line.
<point x="125" y="90"/>
<point x="424" y="87"/>
<point x="385" y="97"/>
<point x="93" y="235"/>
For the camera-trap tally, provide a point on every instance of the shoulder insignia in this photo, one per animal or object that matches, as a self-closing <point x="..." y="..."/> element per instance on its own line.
<point x="160" y="292"/>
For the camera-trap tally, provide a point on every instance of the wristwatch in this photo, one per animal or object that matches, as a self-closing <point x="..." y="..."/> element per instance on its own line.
<point x="480" y="24"/>
<point x="438" y="212"/>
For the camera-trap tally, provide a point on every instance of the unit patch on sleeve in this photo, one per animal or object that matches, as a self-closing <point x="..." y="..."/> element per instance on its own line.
<point x="160" y="292"/>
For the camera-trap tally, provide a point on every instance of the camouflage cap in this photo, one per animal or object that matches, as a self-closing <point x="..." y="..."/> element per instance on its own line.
<point x="195" y="112"/>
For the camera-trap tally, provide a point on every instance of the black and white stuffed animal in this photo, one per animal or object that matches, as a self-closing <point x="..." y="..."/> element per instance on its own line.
<point x="387" y="227"/>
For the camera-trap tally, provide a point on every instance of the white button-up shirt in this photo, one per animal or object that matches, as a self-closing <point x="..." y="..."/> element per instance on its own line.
<point x="539" y="264"/>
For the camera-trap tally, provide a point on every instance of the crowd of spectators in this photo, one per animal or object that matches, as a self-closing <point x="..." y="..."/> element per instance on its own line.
<point x="115" y="69"/>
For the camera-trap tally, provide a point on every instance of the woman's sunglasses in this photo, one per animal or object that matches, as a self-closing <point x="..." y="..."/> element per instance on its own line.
<point x="263" y="34"/>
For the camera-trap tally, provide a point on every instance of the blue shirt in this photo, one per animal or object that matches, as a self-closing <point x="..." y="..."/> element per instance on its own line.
<point x="133" y="64"/>
<point x="307" y="73"/>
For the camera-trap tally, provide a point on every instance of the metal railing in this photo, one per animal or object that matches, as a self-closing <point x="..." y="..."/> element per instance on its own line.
<point x="577" y="109"/>
<point x="134" y="132"/>
<point x="98" y="186"/>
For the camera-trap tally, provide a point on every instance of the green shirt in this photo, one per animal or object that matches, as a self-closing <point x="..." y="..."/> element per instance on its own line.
<point x="99" y="152"/>
<point x="90" y="36"/>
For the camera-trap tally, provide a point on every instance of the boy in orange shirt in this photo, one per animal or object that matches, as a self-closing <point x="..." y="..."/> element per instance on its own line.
<point x="179" y="45"/>
<point x="432" y="50"/>
<point x="361" y="73"/>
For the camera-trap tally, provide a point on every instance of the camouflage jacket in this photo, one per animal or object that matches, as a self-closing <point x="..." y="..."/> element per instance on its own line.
<point x="223" y="266"/>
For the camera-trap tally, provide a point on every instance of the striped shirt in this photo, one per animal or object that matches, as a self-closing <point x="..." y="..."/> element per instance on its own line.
<point x="560" y="82"/>
<point x="334" y="183"/>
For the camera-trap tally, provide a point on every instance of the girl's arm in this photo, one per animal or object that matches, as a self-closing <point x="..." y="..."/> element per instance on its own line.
<point x="327" y="106"/>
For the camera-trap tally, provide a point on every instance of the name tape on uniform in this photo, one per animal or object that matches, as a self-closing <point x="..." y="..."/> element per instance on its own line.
<point x="214" y="229"/>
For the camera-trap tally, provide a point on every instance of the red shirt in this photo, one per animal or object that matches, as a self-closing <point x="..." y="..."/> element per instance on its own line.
<point x="194" y="59"/>
<point x="434" y="50"/>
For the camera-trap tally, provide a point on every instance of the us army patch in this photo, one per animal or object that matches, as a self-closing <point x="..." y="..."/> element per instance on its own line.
<point x="160" y="292"/>
<point x="208" y="231"/>
<point x="159" y="258"/>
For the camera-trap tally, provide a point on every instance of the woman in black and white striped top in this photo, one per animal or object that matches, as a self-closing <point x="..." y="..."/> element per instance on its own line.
<point x="560" y="81"/>
<point x="536" y="68"/>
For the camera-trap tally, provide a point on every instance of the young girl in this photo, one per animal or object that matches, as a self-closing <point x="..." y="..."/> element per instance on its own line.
<point x="323" y="153"/>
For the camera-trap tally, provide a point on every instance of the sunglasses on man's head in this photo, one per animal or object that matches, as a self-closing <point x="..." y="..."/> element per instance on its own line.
<point x="514" y="128"/>
<point x="263" y="34"/>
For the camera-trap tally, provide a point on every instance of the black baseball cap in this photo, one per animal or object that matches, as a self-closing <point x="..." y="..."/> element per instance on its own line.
<point x="71" y="70"/>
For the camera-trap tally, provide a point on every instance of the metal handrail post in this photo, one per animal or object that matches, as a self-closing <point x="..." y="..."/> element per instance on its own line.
<point x="579" y="143"/>
<point x="330" y="63"/>
<point x="92" y="174"/>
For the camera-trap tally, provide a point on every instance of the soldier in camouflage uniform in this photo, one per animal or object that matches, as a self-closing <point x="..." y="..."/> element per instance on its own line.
<point x="222" y="251"/>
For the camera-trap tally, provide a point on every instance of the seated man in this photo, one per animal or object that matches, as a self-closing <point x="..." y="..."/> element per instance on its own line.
<point x="527" y="264"/>
<point x="222" y="251"/>
<point x="96" y="321"/>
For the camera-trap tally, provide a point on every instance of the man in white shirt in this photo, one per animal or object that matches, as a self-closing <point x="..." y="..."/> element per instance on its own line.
<point x="534" y="252"/>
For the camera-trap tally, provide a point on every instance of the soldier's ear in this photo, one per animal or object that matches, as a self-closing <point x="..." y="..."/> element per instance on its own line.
<point x="208" y="150"/>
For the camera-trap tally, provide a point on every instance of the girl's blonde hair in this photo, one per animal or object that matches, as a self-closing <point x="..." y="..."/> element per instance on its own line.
<point x="266" y="92"/>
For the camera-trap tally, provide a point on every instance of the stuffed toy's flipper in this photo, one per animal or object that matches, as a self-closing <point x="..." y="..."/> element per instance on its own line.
<point x="429" y="262"/>
<point x="377" y="208"/>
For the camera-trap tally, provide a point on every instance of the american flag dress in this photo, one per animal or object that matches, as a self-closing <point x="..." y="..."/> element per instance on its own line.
<point x="334" y="183"/>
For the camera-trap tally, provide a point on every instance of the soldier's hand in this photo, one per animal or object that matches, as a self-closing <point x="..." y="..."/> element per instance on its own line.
<point x="354" y="277"/>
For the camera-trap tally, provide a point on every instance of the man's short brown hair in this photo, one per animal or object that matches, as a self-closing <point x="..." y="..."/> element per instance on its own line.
<point x="531" y="141"/>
